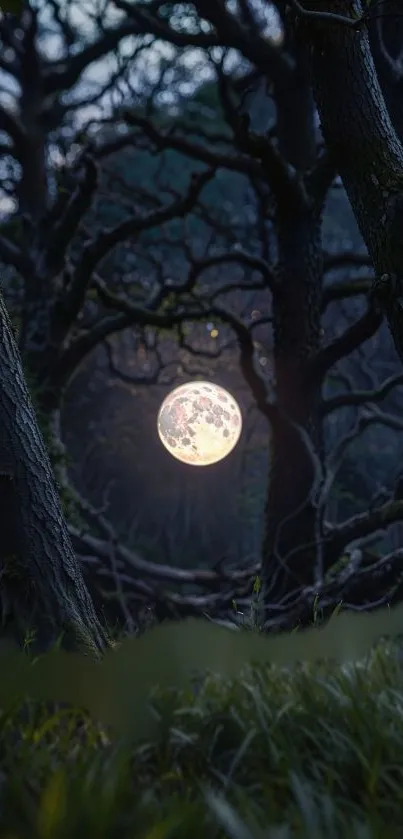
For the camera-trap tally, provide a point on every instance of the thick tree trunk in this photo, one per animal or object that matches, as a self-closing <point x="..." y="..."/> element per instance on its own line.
<point x="358" y="129"/>
<point x="32" y="191"/>
<point x="290" y="539"/>
<point x="41" y="582"/>
<point x="43" y="334"/>
<point x="386" y="42"/>
<point x="40" y="365"/>
<point x="295" y="109"/>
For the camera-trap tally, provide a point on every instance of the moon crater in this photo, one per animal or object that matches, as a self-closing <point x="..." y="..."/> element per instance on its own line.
<point x="199" y="423"/>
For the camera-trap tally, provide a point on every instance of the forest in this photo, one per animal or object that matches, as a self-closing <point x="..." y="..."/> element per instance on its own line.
<point x="207" y="191"/>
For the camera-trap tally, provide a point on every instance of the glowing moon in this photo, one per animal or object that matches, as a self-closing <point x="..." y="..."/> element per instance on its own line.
<point x="199" y="423"/>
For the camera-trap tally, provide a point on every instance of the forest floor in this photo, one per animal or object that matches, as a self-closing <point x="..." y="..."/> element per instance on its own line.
<point x="316" y="752"/>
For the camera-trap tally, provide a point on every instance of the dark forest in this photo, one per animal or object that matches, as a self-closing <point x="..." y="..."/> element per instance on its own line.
<point x="203" y="192"/>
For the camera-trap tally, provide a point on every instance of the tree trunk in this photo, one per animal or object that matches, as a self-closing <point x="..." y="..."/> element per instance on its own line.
<point x="41" y="359"/>
<point x="358" y="129"/>
<point x="386" y="42"/>
<point x="32" y="191"/>
<point x="290" y="538"/>
<point x="41" y="581"/>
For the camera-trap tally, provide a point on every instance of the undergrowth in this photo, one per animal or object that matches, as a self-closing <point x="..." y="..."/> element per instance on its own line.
<point x="312" y="752"/>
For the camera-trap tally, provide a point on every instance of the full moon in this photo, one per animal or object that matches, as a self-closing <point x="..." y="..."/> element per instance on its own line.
<point x="199" y="423"/>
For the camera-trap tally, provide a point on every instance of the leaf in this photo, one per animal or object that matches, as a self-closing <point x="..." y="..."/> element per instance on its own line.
<point x="257" y="585"/>
<point x="51" y="808"/>
<point x="227" y="817"/>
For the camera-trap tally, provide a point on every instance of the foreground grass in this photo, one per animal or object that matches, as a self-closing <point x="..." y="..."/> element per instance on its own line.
<point x="317" y="752"/>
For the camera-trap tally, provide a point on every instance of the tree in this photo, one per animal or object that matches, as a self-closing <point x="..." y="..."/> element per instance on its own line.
<point x="369" y="158"/>
<point x="42" y="586"/>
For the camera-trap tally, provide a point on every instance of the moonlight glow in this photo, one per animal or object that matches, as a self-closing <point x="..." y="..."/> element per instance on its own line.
<point x="199" y="423"/>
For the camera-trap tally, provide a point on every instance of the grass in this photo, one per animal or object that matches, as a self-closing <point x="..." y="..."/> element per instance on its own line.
<point x="315" y="752"/>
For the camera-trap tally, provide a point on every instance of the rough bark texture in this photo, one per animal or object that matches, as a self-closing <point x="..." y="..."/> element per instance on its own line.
<point x="358" y="129"/>
<point x="43" y="587"/>
<point x="295" y="111"/>
<point x="289" y="548"/>
<point x="386" y="42"/>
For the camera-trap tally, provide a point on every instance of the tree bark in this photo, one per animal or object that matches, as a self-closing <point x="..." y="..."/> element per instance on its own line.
<point x="386" y="42"/>
<point x="290" y="539"/>
<point x="369" y="156"/>
<point x="289" y="559"/>
<point x="41" y="580"/>
<point x="32" y="191"/>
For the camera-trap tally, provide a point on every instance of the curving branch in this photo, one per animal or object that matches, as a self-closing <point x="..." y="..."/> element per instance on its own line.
<point x="360" y="526"/>
<point x="87" y="544"/>
<point x="353" y="337"/>
<point x="63" y="74"/>
<point x="355" y="22"/>
<point x="196" y="151"/>
<point x="148" y="21"/>
<point x="361" y="397"/>
<point x="267" y="56"/>
<point x="67" y="224"/>
<point x="97" y="248"/>
<point x="335" y="458"/>
<point x="106" y="240"/>
<point x="286" y="186"/>
<point x="138" y="378"/>
<point x="227" y="31"/>
<point x="238" y="256"/>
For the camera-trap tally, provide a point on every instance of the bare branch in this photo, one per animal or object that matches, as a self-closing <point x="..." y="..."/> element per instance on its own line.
<point x="63" y="74"/>
<point x="360" y="397"/>
<point x="86" y="543"/>
<point x="197" y="151"/>
<point x="330" y="17"/>
<point x="132" y="378"/>
<point x="238" y="256"/>
<point x="359" y="526"/>
<point x="252" y="377"/>
<point x="107" y="239"/>
<point x="269" y="57"/>
<point x="66" y="226"/>
<point x="345" y="259"/>
<point x="229" y="31"/>
<point x="345" y="288"/>
<point x="335" y="458"/>
<point x="69" y="34"/>
<point x="353" y="337"/>
<point x="154" y="25"/>
<point x="286" y="186"/>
